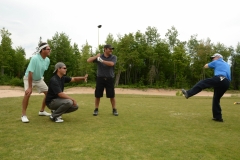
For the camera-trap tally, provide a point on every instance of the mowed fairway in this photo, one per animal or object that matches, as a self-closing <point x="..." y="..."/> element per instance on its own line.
<point x="148" y="127"/>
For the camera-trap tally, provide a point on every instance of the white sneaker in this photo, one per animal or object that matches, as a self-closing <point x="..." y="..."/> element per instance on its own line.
<point x="57" y="119"/>
<point x="54" y="111"/>
<point x="24" y="119"/>
<point x="43" y="113"/>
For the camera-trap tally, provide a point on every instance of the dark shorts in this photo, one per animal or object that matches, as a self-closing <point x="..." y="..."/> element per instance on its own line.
<point x="108" y="84"/>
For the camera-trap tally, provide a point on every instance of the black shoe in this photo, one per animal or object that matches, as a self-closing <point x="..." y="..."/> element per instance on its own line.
<point x="217" y="119"/>
<point x="51" y="117"/>
<point x="115" y="113"/>
<point x="185" y="93"/>
<point x="95" y="112"/>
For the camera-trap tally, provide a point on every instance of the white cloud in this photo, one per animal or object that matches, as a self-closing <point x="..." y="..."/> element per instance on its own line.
<point x="27" y="20"/>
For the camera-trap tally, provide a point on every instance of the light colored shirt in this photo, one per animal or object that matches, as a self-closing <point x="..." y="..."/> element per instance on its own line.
<point x="221" y="68"/>
<point x="37" y="66"/>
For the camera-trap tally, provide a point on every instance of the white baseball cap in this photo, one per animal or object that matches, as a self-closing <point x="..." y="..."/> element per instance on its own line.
<point x="217" y="54"/>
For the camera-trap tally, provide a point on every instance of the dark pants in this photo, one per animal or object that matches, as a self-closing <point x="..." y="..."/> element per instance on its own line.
<point x="108" y="84"/>
<point x="220" y="87"/>
<point x="61" y="106"/>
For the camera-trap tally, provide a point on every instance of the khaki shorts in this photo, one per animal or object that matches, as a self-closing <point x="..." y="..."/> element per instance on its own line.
<point x="41" y="85"/>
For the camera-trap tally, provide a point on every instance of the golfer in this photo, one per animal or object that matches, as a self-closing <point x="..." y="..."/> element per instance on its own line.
<point x="220" y="82"/>
<point x="56" y="100"/>
<point x="34" y="77"/>
<point x="105" y="77"/>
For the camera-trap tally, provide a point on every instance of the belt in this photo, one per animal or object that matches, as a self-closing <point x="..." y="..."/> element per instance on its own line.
<point x="105" y="78"/>
<point x="222" y="77"/>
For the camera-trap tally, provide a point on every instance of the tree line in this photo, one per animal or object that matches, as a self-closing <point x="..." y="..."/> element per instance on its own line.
<point x="144" y="59"/>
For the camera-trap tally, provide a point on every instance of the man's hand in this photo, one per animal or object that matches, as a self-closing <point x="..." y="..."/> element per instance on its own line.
<point x="85" y="77"/>
<point x="99" y="59"/>
<point x="74" y="102"/>
<point x="98" y="55"/>
<point x="205" y="66"/>
<point x="28" y="92"/>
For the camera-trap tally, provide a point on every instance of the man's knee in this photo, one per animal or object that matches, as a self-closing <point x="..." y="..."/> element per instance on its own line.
<point x="69" y="102"/>
<point x="69" y="105"/>
<point x="110" y="93"/>
<point x="75" y="107"/>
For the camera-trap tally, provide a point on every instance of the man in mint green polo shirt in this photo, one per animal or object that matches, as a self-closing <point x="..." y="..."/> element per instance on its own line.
<point x="34" y="77"/>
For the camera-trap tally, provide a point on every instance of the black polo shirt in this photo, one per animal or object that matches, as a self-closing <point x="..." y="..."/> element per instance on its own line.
<point x="56" y="85"/>
<point x="104" y="70"/>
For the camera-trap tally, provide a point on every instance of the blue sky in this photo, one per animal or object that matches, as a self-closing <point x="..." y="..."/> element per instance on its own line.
<point x="27" y="20"/>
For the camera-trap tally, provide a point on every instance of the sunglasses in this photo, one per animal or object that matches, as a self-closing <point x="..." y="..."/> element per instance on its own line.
<point x="64" y="68"/>
<point x="48" y="49"/>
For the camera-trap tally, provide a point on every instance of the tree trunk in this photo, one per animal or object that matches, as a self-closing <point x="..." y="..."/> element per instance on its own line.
<point x="117" y="78"/>
<point x="2" y="71"/>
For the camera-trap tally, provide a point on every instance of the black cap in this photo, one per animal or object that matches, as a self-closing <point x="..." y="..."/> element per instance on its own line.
<point x="108" y="46"/>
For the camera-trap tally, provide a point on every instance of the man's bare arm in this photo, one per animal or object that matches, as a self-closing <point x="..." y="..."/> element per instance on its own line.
<point x="91" y="59"/>
<point x="206" y="66"/>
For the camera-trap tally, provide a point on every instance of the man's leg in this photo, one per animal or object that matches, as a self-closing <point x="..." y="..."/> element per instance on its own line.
<point x="43" y="102"/>
<point x="216" y="108"/>
<point x="42" y="111"/>
<point x="25" y="104"/>
<point x="114" y="110"/>
<point x="43" y="88"/>
<point x="113" y="102"/>
<point x="203" y="84"/>
<point x="62" y="106"/>
<point x="97" y="102"/>
<point x="25" y="101"/>
<point x="110" y="91"/>
<point x="72" y="109"/>
<point x="218" y="93"/>
<point x="98" y="94"/>
<point x="99" y="91"/>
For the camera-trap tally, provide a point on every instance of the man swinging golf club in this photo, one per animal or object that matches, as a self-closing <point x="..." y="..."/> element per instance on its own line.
<point x="105" y="77"/>
<point x="220" y="82"/>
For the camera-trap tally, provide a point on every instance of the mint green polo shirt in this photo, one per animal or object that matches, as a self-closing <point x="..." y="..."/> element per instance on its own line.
<point x="37" y="66"/>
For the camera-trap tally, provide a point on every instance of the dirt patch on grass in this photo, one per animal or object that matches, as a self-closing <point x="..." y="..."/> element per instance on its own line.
<point x="11" y="91"/>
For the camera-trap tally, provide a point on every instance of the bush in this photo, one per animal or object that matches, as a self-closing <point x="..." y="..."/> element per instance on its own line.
<point x="16" y="82"/>
<point x="179" y="93"/>
<point x="4" y="80"/>
<point x="7" y="80"/>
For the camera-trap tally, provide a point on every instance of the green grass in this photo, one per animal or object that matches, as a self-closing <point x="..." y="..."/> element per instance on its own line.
<point x="148" y="127"/>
